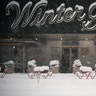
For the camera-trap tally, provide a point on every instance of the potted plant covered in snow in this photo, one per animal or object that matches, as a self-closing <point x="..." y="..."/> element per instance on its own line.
<point x="76" y="65"/>
<point x="9" y="66"/>
<point x="54" y="66"/>
<point x="31" y="65"/>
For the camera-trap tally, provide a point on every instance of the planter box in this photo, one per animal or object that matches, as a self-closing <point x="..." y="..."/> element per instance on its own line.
<point x="75" y="69"/>
<point x="9" y="70"/>
<point x="95" y="69"/>
<point x="54" y="69"/>
<point x="30" y="69"/>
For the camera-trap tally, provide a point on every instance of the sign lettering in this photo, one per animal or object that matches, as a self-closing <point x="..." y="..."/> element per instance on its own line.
<point x="25" y="17"/>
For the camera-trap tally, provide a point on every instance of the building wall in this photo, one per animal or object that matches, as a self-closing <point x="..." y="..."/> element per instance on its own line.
<point x="87" y="53"/>
<point x="44" y="53"/>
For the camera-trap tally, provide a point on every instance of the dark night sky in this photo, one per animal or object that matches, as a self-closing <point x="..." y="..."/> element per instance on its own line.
<point x="73" y="27"/>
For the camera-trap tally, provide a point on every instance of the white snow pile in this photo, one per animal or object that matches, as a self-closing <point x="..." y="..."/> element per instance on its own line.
<point x="77" y="63"/>
<point x="10" y="62"/>
<point x="41" y="68"/>
<point x="32" y="63"/>
<point x="54" y="63"/>
<point x="85" y="69"/>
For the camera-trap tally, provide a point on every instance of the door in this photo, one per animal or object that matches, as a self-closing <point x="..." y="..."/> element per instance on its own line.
<point x="69" y="54"/>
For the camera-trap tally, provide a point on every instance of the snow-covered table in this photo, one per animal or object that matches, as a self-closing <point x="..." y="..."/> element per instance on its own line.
<point x="40" y="71"/>
<point x="85" y="71"/>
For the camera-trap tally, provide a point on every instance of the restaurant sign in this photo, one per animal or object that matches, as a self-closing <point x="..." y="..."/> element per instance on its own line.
<point x="25" y="16"/>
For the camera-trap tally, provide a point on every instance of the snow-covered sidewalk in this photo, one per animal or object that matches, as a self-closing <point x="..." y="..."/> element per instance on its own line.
<point x="18" y="84"/>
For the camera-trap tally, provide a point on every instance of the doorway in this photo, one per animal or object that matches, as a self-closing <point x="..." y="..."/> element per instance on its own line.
<point x="69" y="54"/>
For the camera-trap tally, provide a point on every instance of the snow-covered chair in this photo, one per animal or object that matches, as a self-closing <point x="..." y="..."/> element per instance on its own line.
<point x="82" y="71"/>
<point x="54" y="66"/>
<point x="31" y="66"/>
<point x="76" y="65"/>
<point x="85" y="71"/>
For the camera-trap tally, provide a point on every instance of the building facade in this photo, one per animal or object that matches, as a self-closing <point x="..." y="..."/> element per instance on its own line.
<point x="63" y="47"/>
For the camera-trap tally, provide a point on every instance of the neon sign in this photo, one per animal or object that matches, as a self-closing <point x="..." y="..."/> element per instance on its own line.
<point x="62" y="14"/>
